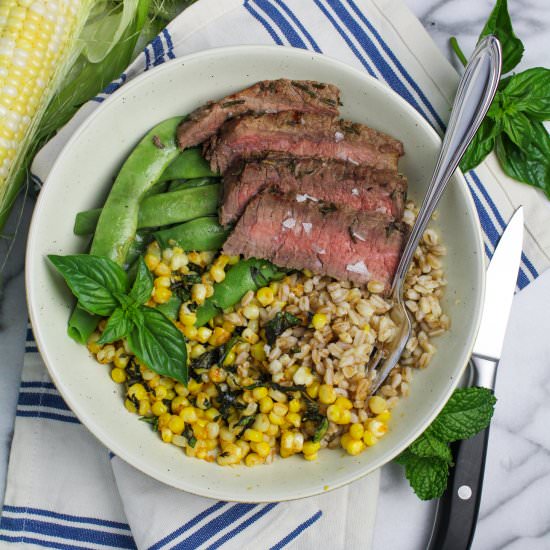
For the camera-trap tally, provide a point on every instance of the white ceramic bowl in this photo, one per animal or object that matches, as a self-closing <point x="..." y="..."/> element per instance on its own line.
<point x="81" y="178"/>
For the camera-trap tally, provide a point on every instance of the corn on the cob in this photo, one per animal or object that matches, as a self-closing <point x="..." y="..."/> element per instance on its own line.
<point x="37" y="46"/>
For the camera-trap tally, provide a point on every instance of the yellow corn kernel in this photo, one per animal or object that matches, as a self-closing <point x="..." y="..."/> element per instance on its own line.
<point x="261" y="423"/>
<point x="178" y="403"/>
<point x="198" y="293"/>
<point x="311" y="447"/>
<point x="193" y="386"/>
<point x="138" y="391"/>
<point x="258" y="352"/>
<point x="229" y="327"/>
<point x="253" y="459"/>
<point x="369" y="439"/>
<point x="162" y="282"/>
<point x="377" y="404"/>
<point x="294" y="419"/>
<point x="166" y="435"/>
<point x="217" y="273"/>
<point x="376" y="427"/>
<point x="160" y="392"/>
<point x="312" y="456"/>
<point x="273" y="430"/>
<point x="280" y="409"/>
<point x="212" y="414"/>
<point x="327" y="395"/>
<point x="151" y="261"/>
<point x="121" y="358"/>
<point x="344" y="403"/>
<point x="144" y="408"/>
<point x="118" y="375"/>
<point x="251" y="311"/>
<point x="303" y="376"/>
<point x="216" y="374"/>
<point x="158" y="408"/>
<point x="229" y="359"/>
<point x="163" y="420"/>
<point x="190" y="332"/>
<point x="244" y="446"/>
<point x="384" y="416"/>
<point x="259" y="393"/>
<point x="262" y="448"/>
<point x="354" y="447"/>
<point x="202" y="401"/>
<point x="219" y="336"/>
<point x="226" y="435"/>
<point x="189" y="415"/>
<point x="161" y="295"/>
<point x="319" y="321"/>
<point x="187" y="319"/>
<point x="203" y="334"/>
<point x="276" y="419"/>
<point x="197" y="351"/>
<point x="333" y="413"/>
<point x="176" y="424"/>
<point x="253" y="435"/>
<point x="180" y="389"/>
<point x="209" y="289"/>
<point x="162" y="270"/>
<point x="265" y="296"/>
<point x="106" y="354"/>
<point x="92" y="344"/>
<point x="313" y="389"/>
<point x="294" y="405"/>
<point x="250" y="336"/>
<point x="130" y="406"/>
<point x="287" y="440"/>
<point x="307" y="273"/>
<point x="345" y="416"/>
<point x="356" y="431"/>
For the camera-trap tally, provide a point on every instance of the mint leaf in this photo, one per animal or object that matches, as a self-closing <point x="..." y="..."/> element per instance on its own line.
<point x="468" y="411"/>
<point x="427" y="475"/>
<point x="531" y="164"/>
<point x="529" y="92"/>
<point x="94" y="281"/>
<point x="143" y="285"/>
<point x="159" y="344"/>
<point x="118" y="326"/>
<point x="500" y="25"/>
<point x="429" y="446"/>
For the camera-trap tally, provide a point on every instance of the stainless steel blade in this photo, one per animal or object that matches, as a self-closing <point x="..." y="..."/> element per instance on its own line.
<point x="502" y="275"/>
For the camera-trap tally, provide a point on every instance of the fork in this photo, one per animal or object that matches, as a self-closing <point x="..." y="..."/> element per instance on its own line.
<point x="476" y="90"/>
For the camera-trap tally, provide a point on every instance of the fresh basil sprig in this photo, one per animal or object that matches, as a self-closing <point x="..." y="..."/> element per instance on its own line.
<point x="101" y="287"/>
<point x="513" y="126"/>
<point x="427" y="459"/>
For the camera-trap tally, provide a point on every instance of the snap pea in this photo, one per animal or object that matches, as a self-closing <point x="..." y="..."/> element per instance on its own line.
<point x="171" y="308"/>
<point x="178" y="185"/>
<point x="242" y="277"/>
<point x="188" y="164"/>
<point x="200" y="235"/>
<point x="164" y="209"/>
<point x="117" y="224"/>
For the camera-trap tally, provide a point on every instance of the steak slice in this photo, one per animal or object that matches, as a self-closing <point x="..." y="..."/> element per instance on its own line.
<point x="301" y="135"/>
<point x="354" y="246"/>
<point x="355" y="187"/>
<point x="268" y="96"/>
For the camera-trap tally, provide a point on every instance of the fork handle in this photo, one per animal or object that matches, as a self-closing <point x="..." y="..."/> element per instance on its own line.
<point x="457" y="509"/>
<point x="475" y="93"/>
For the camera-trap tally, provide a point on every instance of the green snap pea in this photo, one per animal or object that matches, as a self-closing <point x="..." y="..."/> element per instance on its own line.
<point x="188" y="164"/>
<point x="164" y="209"/>
<point x="200" y="235"/>
<point x="178" y="185"/>
<point x="244" y="276"/>
<point x="171" y="308"/>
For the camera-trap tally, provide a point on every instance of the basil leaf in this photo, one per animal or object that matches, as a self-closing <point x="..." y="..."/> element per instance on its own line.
<point x="481" y="145"/>
<point x="143" y="285"/>
<point x="518" y="129"/>
<point x="118" y="326"/>
<point x="529" y="92"/>
<point x="500" y="25"/>
<point x="531" y="166"/>
<point x="93" y="280"/>
<point x="159" y="345"/>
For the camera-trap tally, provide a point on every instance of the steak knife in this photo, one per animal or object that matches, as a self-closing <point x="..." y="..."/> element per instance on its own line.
<point x="457" y="510"/>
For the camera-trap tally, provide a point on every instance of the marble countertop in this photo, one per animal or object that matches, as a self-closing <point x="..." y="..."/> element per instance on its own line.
<point x="515" y="508"/>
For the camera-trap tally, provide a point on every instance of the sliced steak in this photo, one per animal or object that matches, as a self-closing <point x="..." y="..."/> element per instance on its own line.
<point x="347" y="245"/>
<point x="268" y="96"/>
<point x="356" y="187"/>
<point x="301" y="135"/>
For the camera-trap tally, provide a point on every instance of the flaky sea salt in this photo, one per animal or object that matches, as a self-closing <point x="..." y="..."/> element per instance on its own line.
<point x="338" y="137"/>
<point x="358" y="267"/>
<point x="355" y="191"/>
<point x="304" y="197"/>
<point x="318" y="249"/>
<point x="307" y="227"/>
<point x="289" y="223"/>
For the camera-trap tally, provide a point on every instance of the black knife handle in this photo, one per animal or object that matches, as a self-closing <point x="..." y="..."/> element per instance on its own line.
<point x="457" y="510"/>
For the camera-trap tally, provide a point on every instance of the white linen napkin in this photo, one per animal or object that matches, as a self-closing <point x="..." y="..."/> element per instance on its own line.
<point x="64" y="489"/>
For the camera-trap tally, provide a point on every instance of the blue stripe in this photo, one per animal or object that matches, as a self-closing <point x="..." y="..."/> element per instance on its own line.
<point x="30" y="335"/>
<point x="275" y="15"/>
<point x="241" y="527"/>
<point x="40" y="542"/>
<point x="265" y="24"/>
<point x="398" y="64"/>
<point x="215" y="526"/>
<point x="147" y="57"/>
<point x="344" y="35"/>
<point x="170" y="44"/>
<point x="529" y="265"/>
<point x="489" y="200"/>
<point x="490" y="230"/>
<point x="374" y="54"/>
<point x="98" y="99"/>
<point x="191" y="523"/>
<point x="523" y="280"/>
<point x="31" y="349"/>
<point x="67" y="517"/>
<point x="48" y="415"/>
<point x="158" y="50"/>
<point x="36" y="384"/>
<point x="298" y="23"/>
<point x="293" y="534"/>
<point x="76" y="534"/>
<point x="49" y="400"/>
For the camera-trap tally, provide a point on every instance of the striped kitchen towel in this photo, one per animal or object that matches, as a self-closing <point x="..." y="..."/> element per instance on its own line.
<point x="64" y="489"/>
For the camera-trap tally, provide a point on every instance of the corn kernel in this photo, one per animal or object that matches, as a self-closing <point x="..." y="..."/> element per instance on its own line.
<point x="345" y="440"/>
<point x="287" y="440"/>
<point x="216" y="374"/>
<point x="176" y="424"/>
<point x="161" y="295"/>
<point x="250" y="336"/>
<point x="203" y="334"/>
<point x="187" y="319"/>
<point x="280" y="409"/>
<point x="212" y="414"/>
<point x="261" y="423"/>
<point x="356" y="431"/>
<point x="217" y="273"/>
<point x="344" y="403"/>
<point x="355" y="446"/>
<point x="319" y="321"/>
<point x="121" y="358"/>
<point x="178" y="403"/>
<point x="253" y="435"/>
<point x="253" y="459"/>
<point x="180" y="389"/>
<point x="158" y="408"/>
<point x="258" y="352"/>
<point x="138" y="391"/>
<point x="327" y="395"/>
<point x="162" y="282"/>
<point x="229" y="359"/>
<point x="190" y="332"/>
<point x="259" y="393"/>
<point x="118" y="375"/>
<point x="229" y="327"/>
<point x="197" y="351"/>
<point x="162" y="270"/>
<point x="369" y="439"/>
<point x="144" y="408"/>
<point x="303" y="376"/>
<point x="198" y="293"/>
<point x="275" y="419"/>
<point x="273" y="430"/>
<point x="313" y="389"/>
<point x="189" y="415"/>
<point x="265" y="296"/>
<point x="130" y="406"/>
<point x="345" y="416"/>
<point x="151" y="261"/>
<point x="384" y="416"/>
<point x="193" y="386"/>
<point x="333" y="413"/>
<point x="166" y="435"/>
<point x="376" y="427"/>
<point x="294" y="418"/>
<point x="311" y="447"/>
<point x="294" y="405"/>
<point x="163" y="420"/>
<point x="219" y="336"/>
<point x="262" y="448"/>
<point x="377" y="404"/>
<point x="311" y="456"/>
<point x="160" y="392"/>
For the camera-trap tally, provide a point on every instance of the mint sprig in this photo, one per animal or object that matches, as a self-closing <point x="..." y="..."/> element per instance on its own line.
<point x="101" y="287"/>
<point x="513" y="126"/>
<point x="428" y="458"/>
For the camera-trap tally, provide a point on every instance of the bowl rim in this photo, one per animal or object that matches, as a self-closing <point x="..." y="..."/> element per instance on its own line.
<point x="103" y="435"/>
